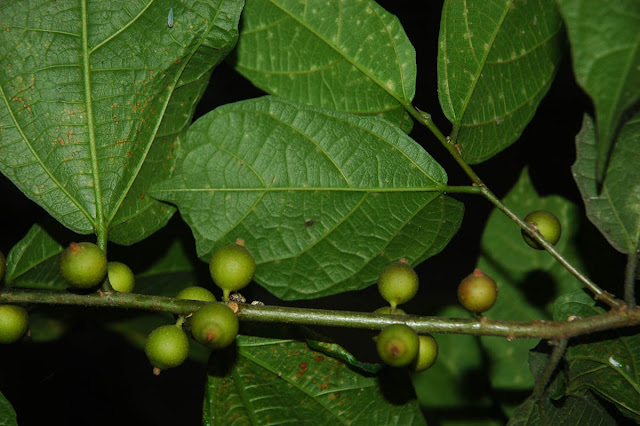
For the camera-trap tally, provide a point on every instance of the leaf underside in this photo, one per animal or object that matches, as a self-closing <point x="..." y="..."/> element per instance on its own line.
<point x="496" y="61"/>
<point x="350" y="56"/>
<point x="323" y="200"/>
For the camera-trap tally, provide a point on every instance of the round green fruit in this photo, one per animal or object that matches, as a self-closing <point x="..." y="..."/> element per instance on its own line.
<point x="14" y="322"/>
<point x="121" y="277"/>
<point x="547" y="225"/>
<point x="214" y="325"/>
<point x="477" y="292"/>
<point x="427" y="353"/>
<point x="398" y="283"/>
<point x="83" y="265"/>
<point x="232" y="268"/>
<point x="3" y="266"/>
<point x="167" y="347"/>
<point x="398" y="345"/>
<point x="196" y="293"/>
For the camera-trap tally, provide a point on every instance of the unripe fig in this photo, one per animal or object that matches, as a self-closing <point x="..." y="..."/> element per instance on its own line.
<point x="547" y="225"/>
<point x="14" y="322"/>
<point x="3" y="266"/>
<point x="196" y="293"/>
<point x="121" y="277"/>
<point x="83" y="265"/>
<point x="232" y="268"/>
<point x="427" y="353"/>
<point x="398" y="345"/>
<point x="166" y="347"/>
<point x="477" y="292"/>
<point x="398" y="283"/>
<point x="214" y="325"/>
<point x="387" y="310"/>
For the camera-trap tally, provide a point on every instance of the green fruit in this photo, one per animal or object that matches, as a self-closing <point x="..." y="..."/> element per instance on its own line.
<point x="83" y="265"/>
<point x="14" y="322"/>
<point x="232" y="268"/>
<point x="547" y="225"/>
<point x="427" y="353"/>
<point x="398" y="283"/>
<point x="3" y="266"/>
<point x="196" y="293"/>
<point x="398" y="345"/>
<point x="167" y="347"/>
<point x="121" y="277"/>
<point x="477" y="292"/>
<point x="387" y="310"/>
<point x="214" y="325"/>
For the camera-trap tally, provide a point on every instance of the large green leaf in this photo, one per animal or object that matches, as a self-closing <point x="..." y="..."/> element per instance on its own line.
<point x="348" y="55"/>
<point x="608" y="365"/>
<point x="82" y="101"/>
<point x="496" y="61"/>
<point x="528" y="280"/>
<point x="324" y="200"/>
<point x="7" y="413"/>
<point x="34" y="261"/>
<point x="275" y="381"/>
<point x="580" y="409"/>
<point x="613" y="207"/>
<point x="605" y="46"/>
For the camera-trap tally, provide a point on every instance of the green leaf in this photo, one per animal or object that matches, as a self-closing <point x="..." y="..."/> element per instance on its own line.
<point x="282" y="381"/>
<point x="605" y="47"/>
<point x="607" y="363"/>
<point x="580" y="409"/>
<point x="7" y="414"/>
<point x="324" y="200"/>
<point x="457" y="376"/>
<point x="528" y="280"/>
<point x="347" y="55"/>
<point x="615" y="207"/>
<point x="82" y="100"/>
<point x="496" y="61"/>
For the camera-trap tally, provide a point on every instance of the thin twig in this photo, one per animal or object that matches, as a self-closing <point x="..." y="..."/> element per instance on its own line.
<point x="630" y="277"/>
<point x="554" y="359"/>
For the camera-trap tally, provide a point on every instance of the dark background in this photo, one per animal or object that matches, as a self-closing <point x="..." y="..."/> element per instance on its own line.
<point x="94" y="377"/>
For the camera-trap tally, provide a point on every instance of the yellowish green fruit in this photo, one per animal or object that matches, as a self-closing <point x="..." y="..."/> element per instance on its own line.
<point x="14" y="323"/>
<point x="232" y="268"/>
<point x="427" y="353"/>
<point x="477" y="292"/>
<point x="547" y="225"/>
<point x="196" y="293"/>
<point x="214" y="325"/>
<point x="398" y="283"/>
<point x="121" y="277"/>
<point x="167" y="347"/>
<point x="398" y="345"/>
<point x="83" y="265"/>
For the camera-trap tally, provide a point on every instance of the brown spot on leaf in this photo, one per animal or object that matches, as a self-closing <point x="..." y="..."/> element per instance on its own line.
<point x="302" y="367"/>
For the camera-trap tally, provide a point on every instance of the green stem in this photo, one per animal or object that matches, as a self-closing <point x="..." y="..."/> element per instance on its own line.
<point x="630" y="277"/>
<point x="425" y="119"/>
<point x="599" y="293"/>
<point x="554" y="359"/>
<point x="364" y="320"/>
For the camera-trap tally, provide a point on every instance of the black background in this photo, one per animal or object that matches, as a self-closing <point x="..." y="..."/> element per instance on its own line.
<point x="94" y="377"/>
